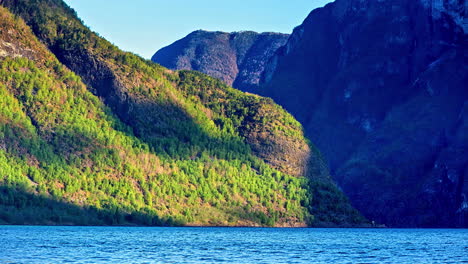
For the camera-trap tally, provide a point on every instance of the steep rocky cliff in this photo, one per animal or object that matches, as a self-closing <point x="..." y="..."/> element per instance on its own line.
<point x="236" y="58"/>
<point x="381" y="88"/>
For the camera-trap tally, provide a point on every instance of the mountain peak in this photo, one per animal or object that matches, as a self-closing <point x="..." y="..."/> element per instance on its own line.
<point x="237" y="58"/>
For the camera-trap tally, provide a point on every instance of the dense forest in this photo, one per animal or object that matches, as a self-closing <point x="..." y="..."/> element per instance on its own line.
<point x="93" y="135"/>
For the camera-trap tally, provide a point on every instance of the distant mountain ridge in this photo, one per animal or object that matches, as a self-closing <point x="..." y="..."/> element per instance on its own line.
<point x="236" y="58"/>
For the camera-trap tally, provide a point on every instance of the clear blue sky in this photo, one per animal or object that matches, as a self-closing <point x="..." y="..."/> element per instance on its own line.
<point x="144" y="26"/>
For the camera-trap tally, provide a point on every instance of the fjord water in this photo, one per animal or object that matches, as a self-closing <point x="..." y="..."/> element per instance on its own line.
<point x="35" y="244"/>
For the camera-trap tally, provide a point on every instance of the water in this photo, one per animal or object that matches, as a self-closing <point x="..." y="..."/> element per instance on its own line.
<point x="32" y="244"/>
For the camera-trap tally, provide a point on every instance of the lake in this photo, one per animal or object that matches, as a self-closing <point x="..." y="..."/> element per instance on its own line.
<point x="38" y="244"/>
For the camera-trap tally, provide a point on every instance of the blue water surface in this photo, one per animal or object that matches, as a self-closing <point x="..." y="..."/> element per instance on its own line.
<point x="38" y="244"/>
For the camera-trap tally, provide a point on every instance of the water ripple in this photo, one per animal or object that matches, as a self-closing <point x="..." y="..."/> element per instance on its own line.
<point x="23" y="244"/>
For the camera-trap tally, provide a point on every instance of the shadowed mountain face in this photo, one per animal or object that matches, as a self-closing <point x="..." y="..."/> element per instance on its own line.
<point x="112" y="137"/>
<point x="236" y="58"/>
<point x="381" y="88"/>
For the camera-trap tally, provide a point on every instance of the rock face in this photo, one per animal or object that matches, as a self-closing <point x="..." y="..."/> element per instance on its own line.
<point x="236" y="58"/>
<point x="381" y="88"/>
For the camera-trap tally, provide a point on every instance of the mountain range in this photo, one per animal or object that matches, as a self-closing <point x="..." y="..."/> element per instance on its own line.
<point x="381" y="89"/>
<point x="92" y="135"/>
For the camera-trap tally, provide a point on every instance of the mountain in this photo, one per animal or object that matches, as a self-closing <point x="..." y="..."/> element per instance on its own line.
<point x="90" y="134"/>
<point x="381" y="89"/>
<point x="236" y="58"/>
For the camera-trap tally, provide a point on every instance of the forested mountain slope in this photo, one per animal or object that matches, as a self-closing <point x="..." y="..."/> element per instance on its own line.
<point x="93" y="135"/>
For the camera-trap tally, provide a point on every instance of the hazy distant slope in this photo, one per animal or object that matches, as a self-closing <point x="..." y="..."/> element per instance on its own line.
<point x="237" y="58"/>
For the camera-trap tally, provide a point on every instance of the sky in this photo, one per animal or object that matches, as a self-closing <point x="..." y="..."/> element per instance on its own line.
<point x="145" y="26"/>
